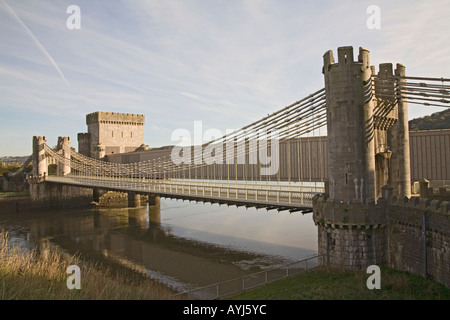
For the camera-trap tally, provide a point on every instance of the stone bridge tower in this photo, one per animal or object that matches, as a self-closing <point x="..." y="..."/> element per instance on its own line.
<point x="368" y="151"/>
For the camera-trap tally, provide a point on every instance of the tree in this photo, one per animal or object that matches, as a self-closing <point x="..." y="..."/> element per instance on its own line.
<point x="438" y="120"/>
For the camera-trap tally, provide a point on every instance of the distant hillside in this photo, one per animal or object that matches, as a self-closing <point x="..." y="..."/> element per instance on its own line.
<point x="438" y="120"/>
<point x="17" y="159"/>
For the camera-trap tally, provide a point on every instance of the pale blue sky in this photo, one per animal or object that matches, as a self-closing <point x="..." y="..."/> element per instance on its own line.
<point x="224" y="62"/>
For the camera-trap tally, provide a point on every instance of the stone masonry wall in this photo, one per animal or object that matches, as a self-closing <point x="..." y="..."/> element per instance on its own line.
<point x="117" y="132"/>
<point x="350" y="235"/>
<point x="352" y="248"/>
<point x="113" y="200"/>
<point x="406" y="237"/>
<point x="58" y="195"/>
<point x="392" y="233"/>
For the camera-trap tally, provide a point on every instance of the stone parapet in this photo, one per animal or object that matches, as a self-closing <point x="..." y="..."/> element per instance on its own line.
<point x="429" y="205"/>
<point x="115" y="117"/>
<point x="337" y="214"/>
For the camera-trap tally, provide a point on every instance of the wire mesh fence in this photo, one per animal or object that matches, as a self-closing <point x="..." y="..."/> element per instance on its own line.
<point x="251" y="281"/>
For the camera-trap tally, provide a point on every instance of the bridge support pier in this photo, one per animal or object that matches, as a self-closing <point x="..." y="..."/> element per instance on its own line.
<point x="97" y="194"/>
<point x="154" y="200"/>
<point x="55" y="195"/>
<point x="154" y="209"/>
<point x="134" y="200"/>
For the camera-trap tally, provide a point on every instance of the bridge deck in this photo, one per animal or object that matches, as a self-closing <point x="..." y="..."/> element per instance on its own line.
<point x="291" y="197"/>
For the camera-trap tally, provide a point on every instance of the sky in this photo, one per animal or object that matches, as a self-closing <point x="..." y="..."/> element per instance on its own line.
<point x="226" y="63"/>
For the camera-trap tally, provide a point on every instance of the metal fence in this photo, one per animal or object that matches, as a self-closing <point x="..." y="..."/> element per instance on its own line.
<point x="251" y="281"/>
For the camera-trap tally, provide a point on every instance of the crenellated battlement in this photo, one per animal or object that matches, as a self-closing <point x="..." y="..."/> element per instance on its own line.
<point x="345" y="55"/>
<point x="115" y="118"/>
<point x="63" y="140"/>
<point x="429" y="205"/>
<point x="385" y="71"/>
<point x="334" y="214"/>
<point x="346" y="58"/>
<point x="40" y="139"/>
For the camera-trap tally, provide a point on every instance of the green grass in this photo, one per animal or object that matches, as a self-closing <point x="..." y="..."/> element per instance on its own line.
<point x="323" y="284"/>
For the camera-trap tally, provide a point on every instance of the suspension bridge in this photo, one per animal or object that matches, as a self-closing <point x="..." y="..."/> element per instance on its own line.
<point x="266" y="164"/>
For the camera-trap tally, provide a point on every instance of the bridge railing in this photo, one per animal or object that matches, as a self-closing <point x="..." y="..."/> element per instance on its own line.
<point x="238" y="285"/>
<point x="241" y="191"/>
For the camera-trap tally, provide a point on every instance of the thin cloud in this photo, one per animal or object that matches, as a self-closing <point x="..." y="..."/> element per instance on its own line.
<point x="36" y="41"/>
<point x="228" y="62"/>
<point x="191" y="95"/>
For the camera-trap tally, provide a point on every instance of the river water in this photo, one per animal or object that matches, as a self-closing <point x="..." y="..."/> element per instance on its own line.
<point x="181" y="244"/>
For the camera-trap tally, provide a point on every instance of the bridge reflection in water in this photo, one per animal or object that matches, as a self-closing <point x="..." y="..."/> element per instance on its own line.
<point x="185" y="250"/>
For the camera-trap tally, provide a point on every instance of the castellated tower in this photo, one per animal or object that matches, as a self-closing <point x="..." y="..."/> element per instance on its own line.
<point x="368" y="155"/>
<point x="351" y="162"/>
<point x="111" y="132"/>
